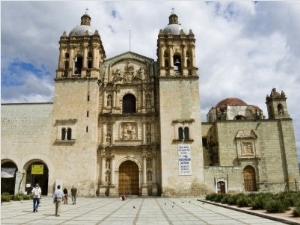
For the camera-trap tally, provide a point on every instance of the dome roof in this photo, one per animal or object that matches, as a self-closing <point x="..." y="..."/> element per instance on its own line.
<point x="173" y="27"/>
<point x="230" y="102"/>
<point x="84" y="27"/>
<point x="81" y="30"/>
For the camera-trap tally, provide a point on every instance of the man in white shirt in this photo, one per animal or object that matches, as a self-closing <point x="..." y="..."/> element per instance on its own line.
<point x="58" y="195"/>
<point x="36" y="195"/>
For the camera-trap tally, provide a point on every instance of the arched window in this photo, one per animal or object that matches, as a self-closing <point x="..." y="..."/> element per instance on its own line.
<point x="66" y="55"/>
<point x="78" y="65"/>
<point x="69" y="134"/>
<point x="280" y="109"/>
<point x="66" y="68"/>
<point x="183" y="133"/>
<point x="180" y="133"/>
<point x="90" y="60"/>
<point x="63" y="134"/>
<point x="177" y="63"/>
<point x="186" y="133"/>
<point x="129" y="104"/>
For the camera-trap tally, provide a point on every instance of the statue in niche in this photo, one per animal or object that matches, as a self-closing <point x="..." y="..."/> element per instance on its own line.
<point x="148" y="127"/>
<point x="141" y="73"/>
<point x="149" y="176"/>
<point x="128" y="73"/>
<point x="148" y="100"/>
<point x="107" y="177"/>
<point x="108" y="138"/>
<point x="148" y="137"/>
<point x="149" y="163"/>
<point x="107" y="163"/>
<point x="128" y="131"/>
<point x="247" y="149"/>
<point x="117" y="76"/>
<point x="109" y="100"/>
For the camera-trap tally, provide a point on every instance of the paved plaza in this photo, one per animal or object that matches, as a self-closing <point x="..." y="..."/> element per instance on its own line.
<point x="135" y="210"/>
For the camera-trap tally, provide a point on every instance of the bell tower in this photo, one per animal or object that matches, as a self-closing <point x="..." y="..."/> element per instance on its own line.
<point x="81" y="52"/>
<point x="76" y="101"/>
<point x="276" y="105"/>
<point x="179" y="110"/>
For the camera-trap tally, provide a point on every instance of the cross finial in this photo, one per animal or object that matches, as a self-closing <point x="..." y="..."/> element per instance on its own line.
<point x="172" y="12"/>
<point x="86" y="10"/>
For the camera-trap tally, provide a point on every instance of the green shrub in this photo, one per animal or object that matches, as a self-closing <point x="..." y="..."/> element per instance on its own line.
<point x="275" y="206"/>
<point x="232" y="200"/>
<point x="242" y="201"/>
<point x="5" y="197"/>
<point x="225" y="199"/>
<point x="296" y="211"/>
<point x="219" y="197"/>
<point x="20" y="196"/>
<point x="258" y="202"/>
<point x="210" y="197"/>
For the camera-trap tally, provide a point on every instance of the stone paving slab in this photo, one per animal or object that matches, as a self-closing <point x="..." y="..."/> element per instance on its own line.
<point x="137" y="211"/>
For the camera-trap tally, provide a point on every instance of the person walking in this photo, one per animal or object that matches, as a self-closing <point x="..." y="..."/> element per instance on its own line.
<point x="73" y="193"/>
<point x="36" y="195"/>
<point x="66" y="196"/>
<point x="58" y="195"/>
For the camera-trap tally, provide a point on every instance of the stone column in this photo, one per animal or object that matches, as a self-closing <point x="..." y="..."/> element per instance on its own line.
<point x="104" y="133"/>
<point x="102" y="186"/>
<point x="144" y="184"/>
<point x="144" y="133"/>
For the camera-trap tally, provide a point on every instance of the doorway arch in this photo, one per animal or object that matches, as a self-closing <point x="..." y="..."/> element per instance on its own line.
<point x="37" y="172"/>
<point x="8" y="177"/>
<point x="249" y="179"/>
<point x="129" y="178"/>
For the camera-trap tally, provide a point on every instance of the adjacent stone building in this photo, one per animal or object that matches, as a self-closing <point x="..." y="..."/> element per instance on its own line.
<point x="132" y="125"/>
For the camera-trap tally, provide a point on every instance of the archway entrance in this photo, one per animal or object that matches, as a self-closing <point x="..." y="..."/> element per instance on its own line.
<point x="8" y="177"/>
<point x="249" y="179"/>
<point x="221" y="187"/>
<point x="129" y="178"/>
<point x="37" y="172"/>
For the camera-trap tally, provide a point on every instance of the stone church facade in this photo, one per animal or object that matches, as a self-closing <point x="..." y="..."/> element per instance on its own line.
<point x="132" y="125"/>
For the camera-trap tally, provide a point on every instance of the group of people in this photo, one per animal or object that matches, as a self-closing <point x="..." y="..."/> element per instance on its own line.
<point x="59" y="196"/>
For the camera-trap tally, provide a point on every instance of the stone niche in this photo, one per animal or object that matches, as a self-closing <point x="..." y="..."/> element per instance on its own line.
<point x="246" y="144"/>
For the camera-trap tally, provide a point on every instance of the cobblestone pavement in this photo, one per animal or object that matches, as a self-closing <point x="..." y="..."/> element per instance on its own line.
<point x="113" y="211"/>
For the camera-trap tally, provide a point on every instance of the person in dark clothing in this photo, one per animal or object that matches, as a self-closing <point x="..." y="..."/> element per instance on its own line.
<point x="66" y="196"/>
<point x="73" y="194"/>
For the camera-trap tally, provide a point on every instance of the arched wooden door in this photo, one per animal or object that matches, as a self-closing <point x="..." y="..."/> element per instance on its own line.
<point x="249" y="179"/>
<point x="221" y="187"/>
<point x="129" y="178"/>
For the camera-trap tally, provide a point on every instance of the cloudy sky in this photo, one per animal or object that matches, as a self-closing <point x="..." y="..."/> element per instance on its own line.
<point x="244" y="49"/>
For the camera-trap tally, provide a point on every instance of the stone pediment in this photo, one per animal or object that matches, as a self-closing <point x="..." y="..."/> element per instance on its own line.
<point x="246" y="134"/>
<point x="128" y="68"/>
<point x="129" y="55"/>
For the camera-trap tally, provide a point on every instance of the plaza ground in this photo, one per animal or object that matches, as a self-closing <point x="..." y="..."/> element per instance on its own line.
<point x="135" y="210"/>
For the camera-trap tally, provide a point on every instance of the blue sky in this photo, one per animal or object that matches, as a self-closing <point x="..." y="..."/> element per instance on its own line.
<point x="243" y="48"/>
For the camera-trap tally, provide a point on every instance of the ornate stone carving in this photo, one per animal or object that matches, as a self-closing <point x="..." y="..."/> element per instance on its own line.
<point x="128" y="131"/>
<point x="247" y="148"/>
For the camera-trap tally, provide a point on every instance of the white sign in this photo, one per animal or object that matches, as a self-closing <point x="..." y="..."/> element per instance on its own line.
<point x="184" y="159"/>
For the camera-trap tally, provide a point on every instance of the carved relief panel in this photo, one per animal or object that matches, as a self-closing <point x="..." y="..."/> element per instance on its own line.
<point x="246" y="144"/>
<point x="125" y="73"/>
<point x="128" y="131"/>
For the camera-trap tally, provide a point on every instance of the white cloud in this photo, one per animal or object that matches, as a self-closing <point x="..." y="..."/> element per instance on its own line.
<point x="243" y="49"/>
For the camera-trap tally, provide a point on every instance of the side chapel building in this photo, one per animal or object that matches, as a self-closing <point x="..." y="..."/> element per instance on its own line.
<point x="130" y="124"/>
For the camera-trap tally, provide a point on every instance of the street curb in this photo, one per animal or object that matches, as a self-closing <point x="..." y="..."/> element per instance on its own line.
<point x="251" y="212"/>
